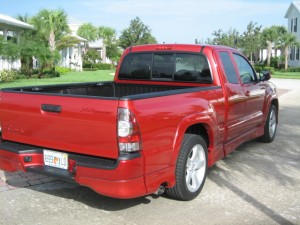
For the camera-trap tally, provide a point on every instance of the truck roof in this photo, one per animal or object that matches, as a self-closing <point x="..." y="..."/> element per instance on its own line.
<point x="174" y="47"/>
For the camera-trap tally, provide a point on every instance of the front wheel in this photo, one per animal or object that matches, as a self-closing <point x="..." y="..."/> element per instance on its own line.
<point x="270" y="126"/>
<point x="191" y="168"/>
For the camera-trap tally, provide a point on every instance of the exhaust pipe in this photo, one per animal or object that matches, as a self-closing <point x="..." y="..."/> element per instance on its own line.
<point x="160" y="190"/>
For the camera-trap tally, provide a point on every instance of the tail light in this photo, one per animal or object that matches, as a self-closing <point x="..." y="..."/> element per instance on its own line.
<point x="129" y="135"/>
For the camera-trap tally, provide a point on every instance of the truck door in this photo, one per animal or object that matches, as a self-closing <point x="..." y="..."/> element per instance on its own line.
<point x="236" y="98"/>
<point x="253" y="90"/>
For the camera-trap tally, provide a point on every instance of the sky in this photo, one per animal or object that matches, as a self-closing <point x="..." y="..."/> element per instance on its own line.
<point x="170" y="21"/>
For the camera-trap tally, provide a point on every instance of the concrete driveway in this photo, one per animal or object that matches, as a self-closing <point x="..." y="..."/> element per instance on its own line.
<point x="257" y="184"/>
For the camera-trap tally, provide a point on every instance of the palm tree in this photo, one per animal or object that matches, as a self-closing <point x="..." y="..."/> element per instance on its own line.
<point x="269" y="36"/>
<point x="108" y="35"/>
<point x="88" y="31"/>
<point x="281" y="30"/>
<point x="287" y="40"/>
<point x="52" y="24"/>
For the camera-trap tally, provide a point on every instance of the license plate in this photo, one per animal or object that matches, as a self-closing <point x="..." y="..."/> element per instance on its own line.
<point x="56" y="159"/>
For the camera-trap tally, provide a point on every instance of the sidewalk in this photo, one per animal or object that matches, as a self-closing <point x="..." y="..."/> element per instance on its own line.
<point x="14" y="180"/>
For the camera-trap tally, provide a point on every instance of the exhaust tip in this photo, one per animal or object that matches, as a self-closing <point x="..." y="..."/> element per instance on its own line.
<point x="160" y="190"/>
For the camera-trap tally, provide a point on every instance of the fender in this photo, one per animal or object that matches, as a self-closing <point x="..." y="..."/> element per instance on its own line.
<point x="209" y="123"/>
<point x="270" y="97"/>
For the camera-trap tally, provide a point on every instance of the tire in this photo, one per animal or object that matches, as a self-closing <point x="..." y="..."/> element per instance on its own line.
<point x="191" y="169"/>
<point x="270" y="126"/>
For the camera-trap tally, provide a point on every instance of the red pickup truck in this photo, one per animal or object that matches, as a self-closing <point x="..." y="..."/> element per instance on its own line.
<point x="171" y="112"/>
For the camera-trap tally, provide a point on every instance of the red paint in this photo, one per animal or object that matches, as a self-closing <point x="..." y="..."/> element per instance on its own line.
<point x="231" y="115"/>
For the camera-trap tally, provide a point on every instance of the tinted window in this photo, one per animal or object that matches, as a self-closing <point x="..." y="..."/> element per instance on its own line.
<point x="136" y="66"/>
<point x="246" y="72"/>
<point x="229" y="68"/>
<point x="191" y="67"/>
<point x="166" y="66"/>
<point x="163" y="66"/>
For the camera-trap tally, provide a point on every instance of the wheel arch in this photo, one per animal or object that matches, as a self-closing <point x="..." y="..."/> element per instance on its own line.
<point x="203" y="127"/>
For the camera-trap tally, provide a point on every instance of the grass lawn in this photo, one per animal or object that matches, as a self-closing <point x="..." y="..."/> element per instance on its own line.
<point x="286" y="75"/>
<point x="100" y="75"/>
<point x="72" y="77"/>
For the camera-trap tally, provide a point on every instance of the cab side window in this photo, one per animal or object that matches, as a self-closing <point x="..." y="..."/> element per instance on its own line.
<point x="247" y="74"/>
<point x="229" y="68"/>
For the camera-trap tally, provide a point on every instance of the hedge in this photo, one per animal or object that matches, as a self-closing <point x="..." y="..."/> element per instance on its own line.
<point x="97" y="66"/>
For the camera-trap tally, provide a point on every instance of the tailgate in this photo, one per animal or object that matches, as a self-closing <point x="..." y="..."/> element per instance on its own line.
<point x="72" y="124"/>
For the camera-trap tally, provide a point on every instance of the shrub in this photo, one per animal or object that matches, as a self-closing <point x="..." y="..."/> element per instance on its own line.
<point x="21" y="76"/>
<point x="87" y="65"/>
<point x="98" y="66"/>
<point x="8" y="75"/>
<point x="259" y="68"/>
<point x="103" y="66"/>
<point x="293" y="69"/>
<point x="35" y="76"/>
<point x="50" y="73"/>
<point x="62" y="70"/>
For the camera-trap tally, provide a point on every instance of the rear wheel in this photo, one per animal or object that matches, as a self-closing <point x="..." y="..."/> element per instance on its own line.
<point x="270" y="126"/>
<point x="191" y="168"/>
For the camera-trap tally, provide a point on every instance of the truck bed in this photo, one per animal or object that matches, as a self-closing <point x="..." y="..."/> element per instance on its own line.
<point x="103" y="89"/>
<point x="57" y="116"/>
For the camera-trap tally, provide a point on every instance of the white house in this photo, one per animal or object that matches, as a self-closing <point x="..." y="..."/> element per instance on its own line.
<point x="71" y="57"/>
<point x="293" y="16"/>
<point x="10" y="27"/>
<point x="97" y="45"/>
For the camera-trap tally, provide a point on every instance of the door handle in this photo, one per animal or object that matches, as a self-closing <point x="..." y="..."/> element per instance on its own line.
<point x="247" y="93"/>
<point x="51" y="108"/>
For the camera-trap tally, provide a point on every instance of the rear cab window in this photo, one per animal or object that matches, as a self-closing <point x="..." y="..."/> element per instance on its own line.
<point x="178" y="67"/>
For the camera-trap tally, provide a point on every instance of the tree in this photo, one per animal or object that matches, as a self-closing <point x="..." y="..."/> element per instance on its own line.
<point x="88" y="31"/>
<point x="67" y="41"/>
<point x="108" y="36"/>
<point x="52" y="24"/>
<point x="136" y="34"/>
<point x="230" y="38"/>
<point x="250" y="40"/>
<point x="286" y="41"/>
<point x="270" y="36"/>
<point x="91" y="57"/>
<point x="113" y="52"/>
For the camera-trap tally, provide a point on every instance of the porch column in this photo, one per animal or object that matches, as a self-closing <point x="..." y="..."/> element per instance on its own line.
<point x="18" y="36"/>
<point x="79" y="57"/>
<point x="67" y="57"/>
<point x="5" y="34"/>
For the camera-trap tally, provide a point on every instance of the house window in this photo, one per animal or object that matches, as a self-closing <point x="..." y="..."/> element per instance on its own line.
<point x="294" y="25"/>
<point x="297" y="52"/>
<point x="292" y="53"/>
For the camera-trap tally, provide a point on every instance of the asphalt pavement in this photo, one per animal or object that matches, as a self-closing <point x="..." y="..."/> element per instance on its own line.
<point x="256" y="184"/>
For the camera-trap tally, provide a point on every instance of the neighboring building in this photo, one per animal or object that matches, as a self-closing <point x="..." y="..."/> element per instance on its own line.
<point x="293" y="16"/>
<point x="11" y="27"/>
<point x="263" y="54"/>
<point x="71" y="57"/>
<point x="97" y="45"/>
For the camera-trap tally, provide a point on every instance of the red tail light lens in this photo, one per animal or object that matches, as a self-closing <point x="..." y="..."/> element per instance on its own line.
<point x="129" y="135"/>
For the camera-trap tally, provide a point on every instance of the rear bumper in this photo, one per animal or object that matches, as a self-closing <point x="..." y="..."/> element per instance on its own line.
<point x="120" y="178"/>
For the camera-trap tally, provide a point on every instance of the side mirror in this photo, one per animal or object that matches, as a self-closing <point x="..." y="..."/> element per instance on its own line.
<point x="265" y="75"/>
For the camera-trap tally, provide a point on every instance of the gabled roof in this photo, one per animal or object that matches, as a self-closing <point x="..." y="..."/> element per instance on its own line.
<point x="12" y="23"/>
<point x="79" y="38"/>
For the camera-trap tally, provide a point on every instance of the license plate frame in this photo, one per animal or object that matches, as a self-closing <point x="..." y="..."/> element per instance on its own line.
<point x="56" y="159"/>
